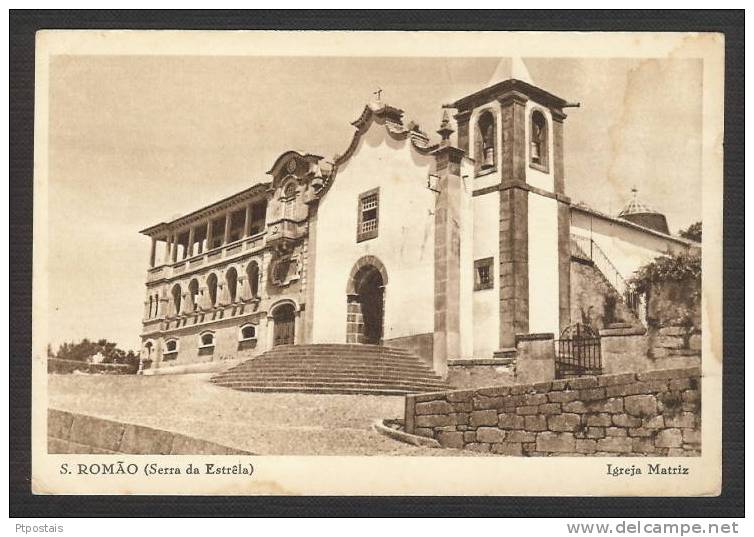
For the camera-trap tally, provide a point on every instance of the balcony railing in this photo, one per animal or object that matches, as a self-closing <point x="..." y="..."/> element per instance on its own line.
<point x="226" y="251"/>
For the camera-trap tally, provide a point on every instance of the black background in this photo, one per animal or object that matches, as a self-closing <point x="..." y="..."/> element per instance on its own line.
<point x="23" y="25"/>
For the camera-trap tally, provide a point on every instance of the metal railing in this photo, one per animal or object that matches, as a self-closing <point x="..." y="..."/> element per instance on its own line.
<point x="588" y="249"/>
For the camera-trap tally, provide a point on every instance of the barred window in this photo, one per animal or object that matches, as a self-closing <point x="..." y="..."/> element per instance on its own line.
<point x="369" y="205"/>
<point x="483" y="275"/>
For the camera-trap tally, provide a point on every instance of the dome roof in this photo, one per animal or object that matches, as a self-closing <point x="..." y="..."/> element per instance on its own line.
<point x="640" y="213"/>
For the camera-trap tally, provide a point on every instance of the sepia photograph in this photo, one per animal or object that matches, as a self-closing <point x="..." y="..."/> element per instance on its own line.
<point x="402" y="253"/>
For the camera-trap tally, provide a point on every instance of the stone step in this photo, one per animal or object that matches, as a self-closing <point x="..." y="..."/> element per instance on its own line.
<point x="408" y="387"/>
<point x="333" y="368"/>
<point x="327" y="391"/>
<point x="333" y="378"/>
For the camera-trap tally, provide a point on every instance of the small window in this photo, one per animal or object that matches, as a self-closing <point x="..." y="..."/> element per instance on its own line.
<point x="248" y="332"/>
<point x="483" y="274"/>
<point x="171" y="345"/>
<point x="369" y="209"/>
<point x="207" y="339"/>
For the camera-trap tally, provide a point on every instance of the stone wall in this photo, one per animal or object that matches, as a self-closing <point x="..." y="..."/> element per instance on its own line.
<point x="68" y="432"/>
<point x="655" y="413"/>
<point x="633" y="349"/>
<point x="594" y="302"/>
<point x="66" y="367"/>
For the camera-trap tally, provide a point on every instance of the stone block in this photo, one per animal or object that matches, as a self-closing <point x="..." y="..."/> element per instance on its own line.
<point x="505" y="448"/>
<point x="624" y="420"/>
<point x="690" y="396"/>
<point x="490" y="435"/>
<point x="691" y="436"/>
<point x="59" y="424"/>
<point x="146" y="441"/>
<point x="483" y="417"/>
<point x="535" y="399"/>
<point x="616" y="379"/>
<point x="586" y="446"/>
<point x="56" y="446"/>
<point x="592" y="394"/>
<point x="433" y="407"/>
<point x="577" y="407"/>
<point x="96" y="432"/>
<point x="556" y="442"/>
<point x="484" y="403"/>
<point x="641" y="432"/>
<point x="564" y="422"/>
<point x="450" y="439"/>
<point x="695" y="342"/>
<point x="562" y="396"/>
<point x="645" y="387"/>
<point x="615" y="431"/>
<point x="535" y="423"/>
<point x="657" y="422"/>
<point x="669" y="342"/>
<point x="549" y="408"/>
<point x="520" y="436"/>
<point x="643" y="445"/>
<point x="599" y="420"/>
<point x="668" y="374"/>
<point x="684" y="420"/>
<point x="669" y="438"/>
<point x="469" y="436"/>
<point x="679" y="384"/>
<point x="479" y="447"/>
<point x="526" y="410"/>
<point x="583" y="383"/>
<point x="434" y="420"/>
<point x="614" y="405"/>
<point x="615" y="444"/>
<point x="461" y="418"/>
<point x="424" y="431"/>
<point x="673" y="331"/>
<point x="641" y="405"/>
<point x="510" y="421"/>
<point x="595" y="432"/>
<point x="459" y="397"/>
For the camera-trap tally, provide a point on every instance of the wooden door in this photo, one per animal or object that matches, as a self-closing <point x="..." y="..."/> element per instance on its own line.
<point x="285" y="326"/>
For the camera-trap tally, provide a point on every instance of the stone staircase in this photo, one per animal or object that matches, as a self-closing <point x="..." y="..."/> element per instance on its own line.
<point x="333" y="368"/>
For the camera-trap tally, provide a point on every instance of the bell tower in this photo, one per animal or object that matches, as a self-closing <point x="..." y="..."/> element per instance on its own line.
<point x="513" y="130"/>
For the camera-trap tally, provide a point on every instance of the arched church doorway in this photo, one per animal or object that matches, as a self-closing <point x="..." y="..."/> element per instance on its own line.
<point x="284" y="319"/>
<point x="366" y="302"/>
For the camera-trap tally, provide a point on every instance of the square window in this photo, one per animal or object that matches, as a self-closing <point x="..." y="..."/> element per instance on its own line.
<point x="483" y="274"/>
<point x="369" y="207"/>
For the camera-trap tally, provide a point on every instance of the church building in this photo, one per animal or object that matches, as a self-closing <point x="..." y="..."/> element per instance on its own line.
<point x="448" y="247"/>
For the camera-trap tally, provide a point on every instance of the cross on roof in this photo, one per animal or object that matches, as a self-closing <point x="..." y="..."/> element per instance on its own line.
<point x="378" y="93"/>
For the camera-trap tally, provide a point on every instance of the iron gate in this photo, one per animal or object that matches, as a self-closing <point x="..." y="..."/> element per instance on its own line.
<point x="578" y="352"/>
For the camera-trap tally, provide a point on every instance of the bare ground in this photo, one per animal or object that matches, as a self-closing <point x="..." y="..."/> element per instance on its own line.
<point x="262" y="423"/>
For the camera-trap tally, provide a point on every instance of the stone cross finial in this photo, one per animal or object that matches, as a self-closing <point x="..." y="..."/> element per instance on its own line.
<point x="445" y="129"/>
<point x="378" y="93"/>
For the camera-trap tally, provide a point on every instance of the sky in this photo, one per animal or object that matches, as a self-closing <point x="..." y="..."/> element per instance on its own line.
<point x="137" y="140"/>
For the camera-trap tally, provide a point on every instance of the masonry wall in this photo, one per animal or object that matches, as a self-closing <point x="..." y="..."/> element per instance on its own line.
<point x="655" y="413"/>
<point x="69" y="432"/>
<point x="594" y="300"/>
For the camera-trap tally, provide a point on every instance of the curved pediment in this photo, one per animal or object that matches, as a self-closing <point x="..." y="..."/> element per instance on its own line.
<point x="293" y="162"/>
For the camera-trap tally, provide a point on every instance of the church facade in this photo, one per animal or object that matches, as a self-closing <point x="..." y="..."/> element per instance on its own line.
<point x="451" y="250"/>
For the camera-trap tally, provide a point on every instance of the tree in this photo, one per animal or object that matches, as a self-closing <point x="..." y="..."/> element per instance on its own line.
<point x="85" y="349"/>
<point x="693" y="232"/>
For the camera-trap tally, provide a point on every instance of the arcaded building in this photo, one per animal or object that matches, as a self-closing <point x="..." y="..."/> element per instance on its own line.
<point x="450" y="250"/>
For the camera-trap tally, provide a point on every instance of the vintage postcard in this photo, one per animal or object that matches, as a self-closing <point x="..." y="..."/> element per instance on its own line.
<point x="378" y="263"/>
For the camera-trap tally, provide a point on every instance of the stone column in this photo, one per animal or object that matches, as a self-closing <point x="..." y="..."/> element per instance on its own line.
<point x="190" y="246"/>
<point x="514" y="224"/>
<point x="447" y="340"/>
<point x="247" y="221"/>
<point x="174" y="248"/>
<point x="152" y="252"/>
<point x="209" y="233"/>
<point x="226" y="237"/>
<point x="166" y="260"/>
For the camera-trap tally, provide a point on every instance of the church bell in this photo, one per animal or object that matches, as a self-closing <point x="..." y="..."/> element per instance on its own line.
<point x="534" y="149"/>
<point x="489" y="157"/>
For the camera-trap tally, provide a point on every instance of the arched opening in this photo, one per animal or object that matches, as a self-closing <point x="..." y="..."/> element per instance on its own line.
<point x="284" y="317"/>
<point x="156" y="304"/>
<point x="231" y="279"/>
<point x="538" y="144"/>
<point x="207" y="339"/>
<point x="176" y="293"/>
<point x="193" y="293"/>
<point x="252" y="275"/>
<point x="212" y="289"/>
<point x="148" y="347"/>
<point x="151" y="307"/>
<point x="485" y="156"/>
<point x="248" y="331"/>
<point x="369" y="289"/>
